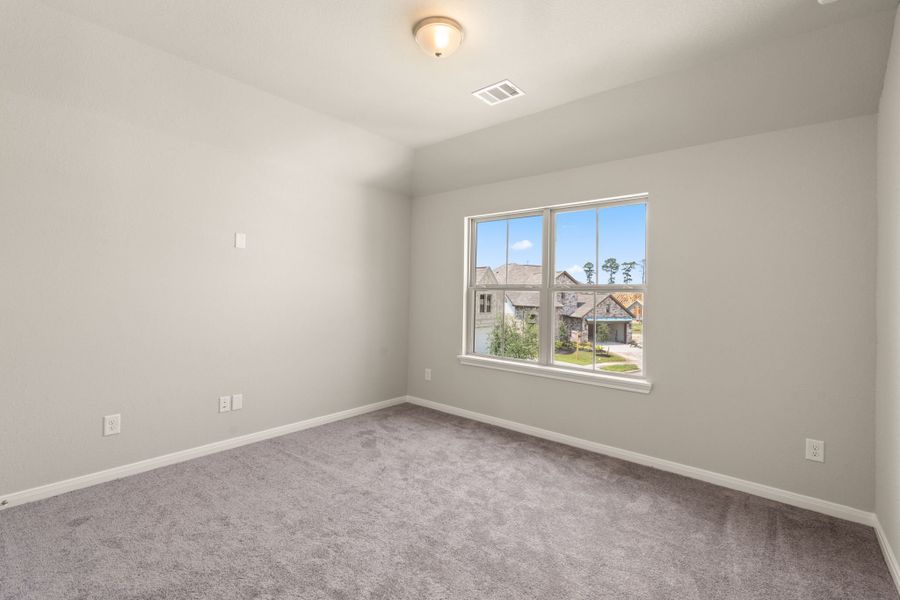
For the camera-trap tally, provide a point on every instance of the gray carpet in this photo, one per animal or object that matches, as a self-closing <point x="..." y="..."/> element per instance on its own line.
<point x="409" y="503"/>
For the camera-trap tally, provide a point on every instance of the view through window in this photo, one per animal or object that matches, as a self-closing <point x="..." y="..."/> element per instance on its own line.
<point x="584" y="310"/>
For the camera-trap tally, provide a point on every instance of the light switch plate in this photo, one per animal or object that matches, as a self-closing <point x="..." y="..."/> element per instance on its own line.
<point x="237" y="402"/>
<point x="240" y="240"/>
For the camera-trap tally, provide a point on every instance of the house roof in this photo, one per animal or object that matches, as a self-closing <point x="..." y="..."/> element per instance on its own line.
<point x="608" y="319"/>
<point x="514" y="273"/>
<point x="485" y="275"/>
<point x="583" y="310"/>
<point x="528" y="275"/>
<point x="629" y="298"/>
<point x="524" y="298"/>
<point x="568" y="276"/>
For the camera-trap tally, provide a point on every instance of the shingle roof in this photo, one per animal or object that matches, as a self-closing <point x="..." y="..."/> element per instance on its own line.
<point x="524" y="298"/>
<point x="626" y="299"/>
<point x="514" y="273"/>
<point x="584" y="309"/>
<point x="485" y="275"/>
<point x="523" y="274"/>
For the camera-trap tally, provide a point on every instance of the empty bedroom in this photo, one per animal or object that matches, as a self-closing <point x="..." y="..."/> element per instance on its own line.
<point x="449" y="300"/>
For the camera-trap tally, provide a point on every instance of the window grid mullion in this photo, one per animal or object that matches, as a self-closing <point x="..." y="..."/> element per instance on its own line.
<point x="469" y="306"/>
<point x="548" y="273"/>
<point x="594" y="336"/>
<point x="596" y="248"/>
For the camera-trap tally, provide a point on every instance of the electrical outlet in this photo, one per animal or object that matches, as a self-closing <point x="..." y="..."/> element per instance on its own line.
<point x="224" y="404"/>
<point x="427" y="374"/>
<point x="237" y="402"/>
<point x="815" y="450"/>
<point x="240" y="240"/>
<point x="112" y="425"/>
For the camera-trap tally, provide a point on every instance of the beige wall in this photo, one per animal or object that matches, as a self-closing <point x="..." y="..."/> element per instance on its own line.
<point x="124" y="174"/>
<point x="888" y="409"/>
<point x="752" y="227"/>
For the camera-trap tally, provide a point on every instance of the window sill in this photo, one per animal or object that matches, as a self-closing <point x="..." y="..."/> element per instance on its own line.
<point x="628" y="384"/>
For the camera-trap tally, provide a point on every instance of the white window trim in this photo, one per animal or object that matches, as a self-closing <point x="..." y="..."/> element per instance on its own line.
<point x="544" y="367"/>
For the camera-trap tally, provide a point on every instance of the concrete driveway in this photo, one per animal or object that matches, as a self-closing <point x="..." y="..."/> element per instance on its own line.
<point x="630" y="353"/>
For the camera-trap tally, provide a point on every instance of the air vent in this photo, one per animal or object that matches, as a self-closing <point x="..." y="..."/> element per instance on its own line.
<point x="499" y="92"/>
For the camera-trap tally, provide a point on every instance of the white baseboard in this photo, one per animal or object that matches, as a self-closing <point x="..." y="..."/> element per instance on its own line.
<point x="83" y="481"/>
<point x="757" y="489"/>
<point x="808" y="502"/>
<point x="889" y="557"/>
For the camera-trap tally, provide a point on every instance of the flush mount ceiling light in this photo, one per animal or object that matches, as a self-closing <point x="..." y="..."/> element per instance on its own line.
<point x="438" y="36"/>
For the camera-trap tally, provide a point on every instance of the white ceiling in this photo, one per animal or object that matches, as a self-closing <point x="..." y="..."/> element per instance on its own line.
<point x="824" y="75"/>
<point x="357" y="60"/>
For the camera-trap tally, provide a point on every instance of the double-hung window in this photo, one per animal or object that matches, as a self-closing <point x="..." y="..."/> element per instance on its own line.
<point x="560" y="292"/>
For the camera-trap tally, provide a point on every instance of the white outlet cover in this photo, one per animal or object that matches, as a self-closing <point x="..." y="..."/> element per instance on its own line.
<point x="240" y="240"/>
<point x="815" y="450"/>
<point x="237" y="402"/>
<point x="224" y="404"/>
<point x="112" y="425"/>
<point x="427" y="374"/>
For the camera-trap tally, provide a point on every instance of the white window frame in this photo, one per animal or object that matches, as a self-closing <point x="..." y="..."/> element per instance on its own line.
<point x="544" y="367"/>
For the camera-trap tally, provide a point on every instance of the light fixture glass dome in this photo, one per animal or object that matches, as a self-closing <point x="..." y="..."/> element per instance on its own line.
<point x="438" y="36"/>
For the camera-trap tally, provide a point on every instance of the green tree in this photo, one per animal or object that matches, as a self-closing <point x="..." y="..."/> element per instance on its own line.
<point x="611" y="266"/>
<point x="602" y="333"/>
<point x="627" y="267"/>
<point x="589" y="271"/>
<point x="514" y="340"/>
<point x="562" y="332"/>
<point x="563" y="337"/>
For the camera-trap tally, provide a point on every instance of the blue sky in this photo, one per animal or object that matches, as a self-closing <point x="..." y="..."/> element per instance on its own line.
<point x="621" y="237"/>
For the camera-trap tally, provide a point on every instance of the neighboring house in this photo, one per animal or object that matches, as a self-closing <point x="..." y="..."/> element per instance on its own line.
<point x="487" y="309"/>
<point x="524" y="305"/>
<point x="633" y="301"/>
<point x="528" y="275"/>
<point x="573" y="309"/>
<point x="637" y="309"/>
<point x="608" y="311"/>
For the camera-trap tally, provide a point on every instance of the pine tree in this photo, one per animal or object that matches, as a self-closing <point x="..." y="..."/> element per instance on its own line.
<point x="589" y="271"/>
<point x="611" y="266"/>
<point x="627" y="267"/>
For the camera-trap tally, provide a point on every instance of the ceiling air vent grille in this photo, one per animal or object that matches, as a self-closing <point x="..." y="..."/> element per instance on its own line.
<point x="499" y="92"/>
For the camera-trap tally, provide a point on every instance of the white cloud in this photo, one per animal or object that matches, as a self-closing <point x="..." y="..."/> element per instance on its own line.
<point x="522" y="245"/>
<point x="575" y="269"/>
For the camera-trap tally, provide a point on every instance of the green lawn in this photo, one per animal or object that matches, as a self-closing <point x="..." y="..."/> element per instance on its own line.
<point x="583" y="357"/>
<point x="621" y="368"/>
